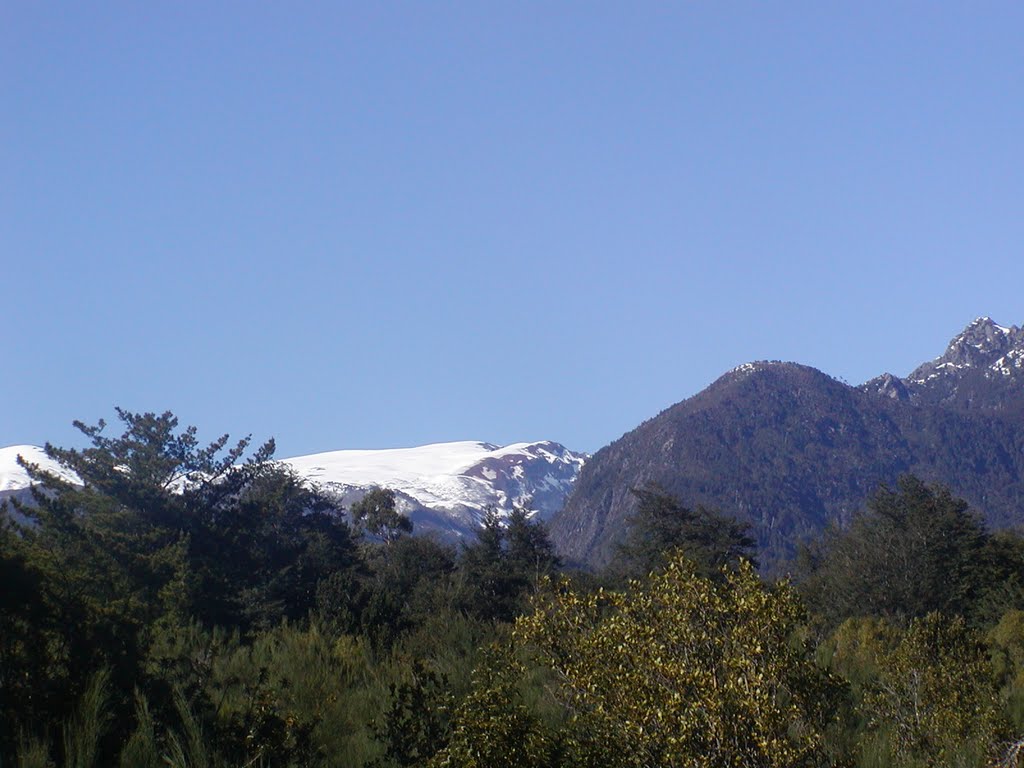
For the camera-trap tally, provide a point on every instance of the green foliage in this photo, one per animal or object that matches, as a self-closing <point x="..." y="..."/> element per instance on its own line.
<point x="81" y="736"/>
<point x="33" y="752"/>
<point x="186" y="608"/>
<point x="680" y="670"/>
<point x="283" y="537"/>
<point x="377" y="514"/>
<point x="503" y="566"/>
<point x="917" y="550"/>
<point x="662" y="525"/>
<point x="404" y="583"/>
<point x="529" y="553"/>
<point x="1006" y="649"/>
<point x="26" y="675"/>
<point x="306" y="687"/>
<point x="141" y="750"/>
<point x="493" y="727"/>
<point x="111" y="558"/>
<point x="934" y="702"/>
<point x="417" y="722"/>
<point x="854" y="649"/>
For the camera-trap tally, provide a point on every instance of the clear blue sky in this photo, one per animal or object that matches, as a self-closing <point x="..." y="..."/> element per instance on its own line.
<point x="384" y="224"/>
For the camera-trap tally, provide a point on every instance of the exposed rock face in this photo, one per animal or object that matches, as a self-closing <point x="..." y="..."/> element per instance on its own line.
<point x="981" y="369"/>
<point x="889" y="386"/>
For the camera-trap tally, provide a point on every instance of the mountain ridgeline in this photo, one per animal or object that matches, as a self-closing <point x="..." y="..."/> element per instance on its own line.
<point x="443" y="488"/>
<point x="791" y="450"/>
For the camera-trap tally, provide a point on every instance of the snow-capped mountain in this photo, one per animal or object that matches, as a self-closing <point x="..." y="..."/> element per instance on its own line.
<point x="997" y="350"/>
<point x="448" y="486"/>
<point x="445" y="486"/>
<point x="981" y="369"/>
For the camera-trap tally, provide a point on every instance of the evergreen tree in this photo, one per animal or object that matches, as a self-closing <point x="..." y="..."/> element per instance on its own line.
<point x="529" y="550"/>
<point x="504" y="564"/>
<point x="662" y="525"/>
<point x="262" y="557"/>
<point x="157" y="529"/>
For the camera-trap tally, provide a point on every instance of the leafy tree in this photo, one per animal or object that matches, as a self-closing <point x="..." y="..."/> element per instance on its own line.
<point x="398" y="587"/>
<point x="417" y="722"/>
<point x="934" y="702"/>
<point x="1006" y="647"/>
<point x="679" y="670"/>
<point x="916" y="550"/>
<point x="377" y="513"/>
<point x="661" y="524"/>
<point x="493" y="726"/>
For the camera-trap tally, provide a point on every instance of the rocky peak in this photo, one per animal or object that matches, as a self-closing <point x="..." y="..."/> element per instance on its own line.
<point x="889" y="386"/>
<point x="981" y="345"/>
<point x="982" y="368"/>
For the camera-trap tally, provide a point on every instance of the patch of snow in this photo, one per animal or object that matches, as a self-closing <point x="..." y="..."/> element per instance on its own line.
<point x="440" y="475"/>
<point x="745" y="368"/>
<point x="456" y="480"/>
<point x="13" y="476"/>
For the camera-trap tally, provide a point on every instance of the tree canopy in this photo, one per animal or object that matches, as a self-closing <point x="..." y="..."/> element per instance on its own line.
<point x="662" y="524"/>
<point x="915" y="550"/>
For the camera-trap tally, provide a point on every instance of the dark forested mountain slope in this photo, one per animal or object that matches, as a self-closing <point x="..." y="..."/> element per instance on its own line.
<point x="789" y="449"/>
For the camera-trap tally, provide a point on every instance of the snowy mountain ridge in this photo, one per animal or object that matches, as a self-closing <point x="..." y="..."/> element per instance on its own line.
<point x="444" y="486"/>
<point x="981" y="369"/>
<point x="983" y="344"/>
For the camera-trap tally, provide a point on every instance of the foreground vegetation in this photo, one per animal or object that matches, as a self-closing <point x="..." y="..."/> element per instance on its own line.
<point x="197" y="606"/>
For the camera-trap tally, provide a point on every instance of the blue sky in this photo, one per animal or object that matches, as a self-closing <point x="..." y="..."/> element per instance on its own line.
<point x="385" y="224"/>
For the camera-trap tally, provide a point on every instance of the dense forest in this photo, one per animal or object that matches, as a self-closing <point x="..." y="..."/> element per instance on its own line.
<point x="199" y="605"/>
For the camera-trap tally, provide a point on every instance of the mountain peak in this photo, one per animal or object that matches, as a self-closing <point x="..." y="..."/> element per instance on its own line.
<point x="448" y="486"/>
<point x="979" y="346"/>
<point x="983" y="336"/>
<point x="889" y="386"/>
<point x="445" y="487"/>
<point x="982" y="368"/>
<point x="792" y="450"/>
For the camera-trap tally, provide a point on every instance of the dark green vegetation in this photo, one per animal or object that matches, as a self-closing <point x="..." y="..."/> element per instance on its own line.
<point x="189" y="606"/>
<point x="185" y="606"/>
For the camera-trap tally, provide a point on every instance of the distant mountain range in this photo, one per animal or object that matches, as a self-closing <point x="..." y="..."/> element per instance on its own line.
<point x="790" y="449"/>
<point x="780" y="445"/>
<point x="444" y="487"/>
